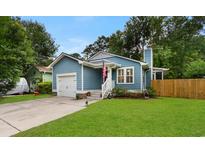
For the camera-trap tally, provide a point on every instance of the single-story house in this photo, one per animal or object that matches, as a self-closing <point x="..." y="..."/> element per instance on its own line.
<point x="71" y="75"/>
<point x="38" y="74"/>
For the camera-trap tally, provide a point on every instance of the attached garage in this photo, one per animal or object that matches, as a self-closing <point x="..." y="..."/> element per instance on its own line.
<point x="66" y="84"/>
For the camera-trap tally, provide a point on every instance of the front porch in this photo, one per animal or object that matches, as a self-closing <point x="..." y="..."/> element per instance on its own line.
<point x="103" y="86"/>
<point x="158" y="73"/>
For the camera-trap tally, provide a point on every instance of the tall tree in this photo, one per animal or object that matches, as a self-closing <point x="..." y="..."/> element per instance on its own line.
<point x="138" y="33"/>
<point x="101" y="44"/>
<point x="76" y="55"/>
<point x="195" y="69"/>
<point x="117" y="43"/>
<point x="175" y="40"/>
<point x="15" y="52"/>
<point x="182" y="35"/>
<point x="42" y="42"/>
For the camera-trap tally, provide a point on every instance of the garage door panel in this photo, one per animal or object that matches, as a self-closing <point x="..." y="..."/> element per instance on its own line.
<point x="67" y="86"/>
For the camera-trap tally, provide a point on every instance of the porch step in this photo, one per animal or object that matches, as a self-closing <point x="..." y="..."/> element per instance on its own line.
<point x="95" y="95"/>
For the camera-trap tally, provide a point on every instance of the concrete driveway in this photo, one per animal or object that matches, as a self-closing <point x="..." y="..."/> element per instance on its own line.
<point x="16" y="117"/>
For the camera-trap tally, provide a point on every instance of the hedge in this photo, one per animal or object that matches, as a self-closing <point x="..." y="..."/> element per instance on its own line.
<point x="45" y="87"/>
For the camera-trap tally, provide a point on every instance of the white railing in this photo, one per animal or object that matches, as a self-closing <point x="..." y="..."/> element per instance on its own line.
<point x="106" y="87"/>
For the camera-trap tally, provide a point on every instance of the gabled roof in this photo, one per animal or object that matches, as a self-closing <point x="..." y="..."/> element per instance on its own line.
<point x="91" y="64"/>
<point x="43" y="69"/>
<point x="86" y="63"/>
<point x="115" y="55"/>
<point x="61" y="56"/>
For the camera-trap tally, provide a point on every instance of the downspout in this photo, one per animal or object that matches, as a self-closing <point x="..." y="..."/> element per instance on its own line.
<point x="82" y="78"/>
<point x="141" y="79"/>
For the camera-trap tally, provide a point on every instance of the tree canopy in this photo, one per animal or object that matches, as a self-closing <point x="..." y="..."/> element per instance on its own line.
<point x="101" y="44"/>
<point x="22" y="44"/>
<point x="42" y="42"/>
<point x="15" y="52"/>
<point x="176" y="41"/>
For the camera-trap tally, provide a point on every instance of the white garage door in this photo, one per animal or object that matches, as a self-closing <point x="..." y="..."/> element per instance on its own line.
<point x="67" y="85"/>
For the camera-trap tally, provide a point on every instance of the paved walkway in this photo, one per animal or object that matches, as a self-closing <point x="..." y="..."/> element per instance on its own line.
<point x="16" y="117"/>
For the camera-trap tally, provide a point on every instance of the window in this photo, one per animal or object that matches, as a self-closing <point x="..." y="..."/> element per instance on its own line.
<point x="129" y="75"/>
<point x="125" y="75"/>
<point x="120" y="78"/>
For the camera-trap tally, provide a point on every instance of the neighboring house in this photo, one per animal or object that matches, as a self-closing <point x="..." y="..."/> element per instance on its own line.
<point x="38" y="74"/>
<point x="71" y="75"/>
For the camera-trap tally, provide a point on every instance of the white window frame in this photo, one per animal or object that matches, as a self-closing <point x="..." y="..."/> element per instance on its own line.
<point x="125" y="75"/>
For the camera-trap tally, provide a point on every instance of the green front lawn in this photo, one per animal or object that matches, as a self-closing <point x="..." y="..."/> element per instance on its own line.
<point x="130" y="117"/>
<point x="19" y="98"/>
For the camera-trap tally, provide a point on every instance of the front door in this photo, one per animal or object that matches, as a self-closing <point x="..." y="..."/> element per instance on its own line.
<point x="109" y="76"/>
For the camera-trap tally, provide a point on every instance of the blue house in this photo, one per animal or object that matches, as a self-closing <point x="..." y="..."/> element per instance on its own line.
<point x="71" y="76"/>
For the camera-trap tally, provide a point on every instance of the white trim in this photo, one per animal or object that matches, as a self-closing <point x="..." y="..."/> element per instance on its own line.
<point x="54" y="90"/>
<point x="141" y="79"/>
<point x="124" y="68"/>
<point x="82" y="77"/>
<point x="57" y="86"/>
<point x="109" y="62"/>
<point x="67" y="74"/>
<point x="90" y="64"/>
<point x="154" y="74"/>
<point x="145" y="79"/>
<point x="151" y="63"/>
<point x="61" y="56"/>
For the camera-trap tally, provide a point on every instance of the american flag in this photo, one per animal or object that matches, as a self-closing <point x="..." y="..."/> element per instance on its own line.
<point x="104" y="71"/>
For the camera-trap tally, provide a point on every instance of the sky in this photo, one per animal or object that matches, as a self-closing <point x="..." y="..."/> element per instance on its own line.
<point x="73" y="33"/>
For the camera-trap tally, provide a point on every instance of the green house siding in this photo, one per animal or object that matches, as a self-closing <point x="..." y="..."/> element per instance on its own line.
<point x="47" y="77"/>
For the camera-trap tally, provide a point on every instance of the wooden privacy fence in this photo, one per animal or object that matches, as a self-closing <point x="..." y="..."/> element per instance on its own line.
<point x="186" y="88"/>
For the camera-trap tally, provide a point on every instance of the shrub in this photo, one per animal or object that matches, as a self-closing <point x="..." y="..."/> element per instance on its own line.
<point x="119" y="92"/>
<point x="152" y="93"/>
<point x="81" y="96"/>
<point x="45" y="87"/>
<point x="134" y="95"/>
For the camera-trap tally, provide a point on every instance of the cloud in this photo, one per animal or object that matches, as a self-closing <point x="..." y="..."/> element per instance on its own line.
<point x="73" y="45"/>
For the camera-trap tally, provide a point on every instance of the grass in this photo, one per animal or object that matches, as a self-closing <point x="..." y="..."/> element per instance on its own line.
<point x="130" y="117"/>
<point x="19" y="98"/>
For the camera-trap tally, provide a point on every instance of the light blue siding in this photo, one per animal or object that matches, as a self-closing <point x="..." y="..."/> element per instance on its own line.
<point x="137" y="73"/>
<point x="67" y="65"/>
<point x="148" y="79"/>
<point x="92" y="78"/>
<point x="148" y="56"/>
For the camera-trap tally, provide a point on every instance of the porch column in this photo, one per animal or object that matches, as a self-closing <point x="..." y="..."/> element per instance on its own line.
<point x="154" y="75"/>
<point x="82" y="78"/>
<point x="162" y="75"/>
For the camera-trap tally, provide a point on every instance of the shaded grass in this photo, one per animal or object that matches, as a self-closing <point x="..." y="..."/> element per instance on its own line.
<point x="19" y="98"/>
<point x="130" y="117"/>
